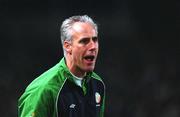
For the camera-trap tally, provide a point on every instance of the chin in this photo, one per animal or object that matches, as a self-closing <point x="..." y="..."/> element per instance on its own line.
<point x="89" y="69"/>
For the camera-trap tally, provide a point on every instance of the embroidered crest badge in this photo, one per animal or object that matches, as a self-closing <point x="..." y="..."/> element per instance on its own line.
<point x="97" y="97"/>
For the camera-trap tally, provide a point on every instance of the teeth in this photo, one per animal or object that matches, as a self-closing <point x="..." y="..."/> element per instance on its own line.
<point x="89" y="57"/>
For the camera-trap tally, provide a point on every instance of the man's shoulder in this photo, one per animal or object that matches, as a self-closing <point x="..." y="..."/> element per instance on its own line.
<point x="96" y="76"/>
<point x="49" y="79"/>
<point x="47" y="84"/>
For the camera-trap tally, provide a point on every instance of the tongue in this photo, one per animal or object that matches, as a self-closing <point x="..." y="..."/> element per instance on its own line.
<point x="88" y="59"/>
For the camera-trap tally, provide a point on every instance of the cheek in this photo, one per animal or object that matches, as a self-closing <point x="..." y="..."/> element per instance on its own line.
<point x="77" y="53"/>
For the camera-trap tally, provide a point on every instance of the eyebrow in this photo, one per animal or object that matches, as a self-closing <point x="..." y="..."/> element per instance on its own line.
<point x="89" y="37"/>
<point x="95" y="37"/>
<point x="85" y="39"/>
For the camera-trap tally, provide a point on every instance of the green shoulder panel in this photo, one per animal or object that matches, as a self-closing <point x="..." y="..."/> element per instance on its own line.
<point x="97" y="77"/>
<point x="42" y="93"/>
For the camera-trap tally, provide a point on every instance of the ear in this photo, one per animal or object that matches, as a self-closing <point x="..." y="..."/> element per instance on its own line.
<point x="67" y="46"/>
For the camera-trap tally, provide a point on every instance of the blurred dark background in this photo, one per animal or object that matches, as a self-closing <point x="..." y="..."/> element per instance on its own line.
<point x="138" y="59"/>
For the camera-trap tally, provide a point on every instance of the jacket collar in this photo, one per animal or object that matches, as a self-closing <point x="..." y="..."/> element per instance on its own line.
<point x="67" y="73"/>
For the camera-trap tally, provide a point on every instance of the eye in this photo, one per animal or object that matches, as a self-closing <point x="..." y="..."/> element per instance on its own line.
<point x="84" y="40"/>
<point x="95" y="39"/>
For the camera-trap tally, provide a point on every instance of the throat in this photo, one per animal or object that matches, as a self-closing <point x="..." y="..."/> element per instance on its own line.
<point x="74" y="69"/>
<point x="77" y="72"/>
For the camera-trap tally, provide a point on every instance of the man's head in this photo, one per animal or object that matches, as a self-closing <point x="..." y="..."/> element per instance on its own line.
<point x="79" y="38"/>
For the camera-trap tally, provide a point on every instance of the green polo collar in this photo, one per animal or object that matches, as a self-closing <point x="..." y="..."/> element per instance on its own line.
<point x="70" y="77"/>
<point x="67" y="72"/>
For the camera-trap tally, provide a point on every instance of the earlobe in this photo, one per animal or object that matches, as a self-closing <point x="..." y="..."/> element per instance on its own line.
<point x="67" y="46"/>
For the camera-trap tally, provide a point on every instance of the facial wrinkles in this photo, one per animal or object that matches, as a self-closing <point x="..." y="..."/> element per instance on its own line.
<point x="82" y="30"/>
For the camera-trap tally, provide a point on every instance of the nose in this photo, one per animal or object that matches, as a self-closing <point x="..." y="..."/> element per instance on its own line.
<point x="93" y="45"/>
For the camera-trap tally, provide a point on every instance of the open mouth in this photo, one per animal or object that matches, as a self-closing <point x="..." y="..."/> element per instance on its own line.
<point x="89" y="57"/>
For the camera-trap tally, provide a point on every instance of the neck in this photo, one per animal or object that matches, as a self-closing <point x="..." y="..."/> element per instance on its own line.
<point x="74" y="69"/>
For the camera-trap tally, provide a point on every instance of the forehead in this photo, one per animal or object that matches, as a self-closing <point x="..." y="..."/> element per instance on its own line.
<point x="83" y="28"/>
